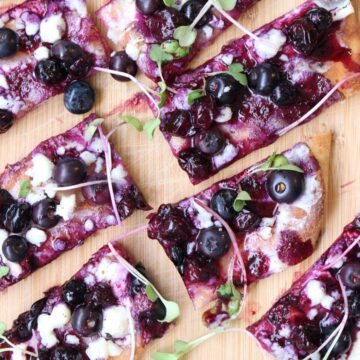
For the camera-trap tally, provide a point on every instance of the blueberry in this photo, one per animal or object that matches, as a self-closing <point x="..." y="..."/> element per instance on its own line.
<point x="223" y="88"/>
<point x="320" y="18"/>
<point x="350" y="275"/>
<point x="69" y="171"/>
<point x="148" y="7"/>
<point x="121" y="61"/>
<point x="43" y="214"/>
<point x="136" y="285"/>
<point x="97" y="194"/>
<point x="5" y="201"/>
<point x="245" y="220"/>
<point x="87" y="321"/>
<point x="211" y="142"/>
<point x="191" y="10"/>
<point x="179" y="123"/>
<point x="159" y="311"/>
<point x="9" y="42"/>
<point x="50" y="71"/>
<point x="177" y="255"/>
<point x="101" y="296"/>
<point x="284" y="94"/>
<point x="343" y="344"/>
<point x="222" y="202"/>
<point x="66" y="51"/>
<point x="79" y="97"/>
<point x="65" y="353"/>
<point x="285" y="186"/>
<point x="17" y="217"/>
<point x="74" y="292"/>
<point x="213" y="242"/>
<point x="197" y="164"/>
<point x="6" y="120"/>
<point x="15" y="248"/>
<point x="303" y="35"/>
<point x="263" y="78"/>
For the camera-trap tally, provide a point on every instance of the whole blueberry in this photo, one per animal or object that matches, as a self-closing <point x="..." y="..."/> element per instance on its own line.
<point x="17" y="217"/>
<point x="43" y="214"/>
<point x="148" y="7"/>
<point x="350" y="275"/>
<point x="223" y="203"/>
<point x="6" y="120"/>
<point x="263" y="78"/>
<point x="50" y="71"/>
<point x="321" y="18"/>
<point x="66" y="51"/>
<point x="211" y="142"/>
<point x="79" y="97"/>
<point x="15" y="248"/>
<point x="9" y="42"/>
<point x="213" y="242"/>
<point x="191" y="10"/>
<point x="69" y="171"/>
<point x="223" y="88"/>
<point x="284" y="94"/>
<point x="121" y="61"/>
<point x="86" y="320"/>
<point x="74" y="292"/>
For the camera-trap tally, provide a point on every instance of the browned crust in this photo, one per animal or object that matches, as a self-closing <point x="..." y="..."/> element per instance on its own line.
<point x="350" y="35"/>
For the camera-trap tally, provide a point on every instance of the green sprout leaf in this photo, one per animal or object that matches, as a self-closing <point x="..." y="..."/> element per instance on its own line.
<point x="150" y="127"/>
<point x="133" y="121"/>
<point x="150" y="293"/>
<point x="162" y="93"/>
<point x="182" y="346"/>
<point x="241" y="200"/>
<point x="91" y="128"/>
<point x="2" y="328"/>
<point x="25" y="187"/>
<point x="185" y="35"/>
<point x="164" y="356"/>
<point x="229" y="291"/>
<point x="225" y="291"/>
<point x="172" y="311"/>
<point x="158" y="55"/>
<point x="276" y="162"/>
<point x="227" y="5"/>
<point x="195" y="94"/>
<point x="4" y="270"/>
<point x="237" y="72"/>
<point x="169" y="3"/>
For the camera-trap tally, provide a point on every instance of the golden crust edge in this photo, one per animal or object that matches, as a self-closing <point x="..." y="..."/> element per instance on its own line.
<point x="350" y="34"/>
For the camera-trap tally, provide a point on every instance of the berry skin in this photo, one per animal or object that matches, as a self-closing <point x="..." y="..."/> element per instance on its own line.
<point x="350" y="275"/>
<point x="284" y="94"/>
<point x="263" y="78"/>
<point x="285" y="186"/>
<point x="43" y="214"/>
<point x="211" y="142"/>
<point x="86" y="320"/>
<point x="222" y="203"/>
<point x="97" y="194"/>
<point x="148" y="7"/>
<point x="223" y="88"/>
<point x="196" y="163"/>
<point x="213" y="242"/>
<point x="320" y="18"/>
<point x="74" y="292"/>
<point x="17" y="217"/>
<point x="15" y="248"/>
<point x="69" y="171"/>
<point x="9" y="42"/>
<point x="50" y="71"/>
<point x="6" y="120"/>
<point x="65" y="353"/>
<point x="66" y="51"/>
<point x="191" y="10"/>
<point x="79" y="97"/>
<point x="179" y="123"/>
<point x="121" y="61"/>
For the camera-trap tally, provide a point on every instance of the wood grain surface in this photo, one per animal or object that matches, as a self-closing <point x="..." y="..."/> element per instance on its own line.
<point x="158" y="175"/>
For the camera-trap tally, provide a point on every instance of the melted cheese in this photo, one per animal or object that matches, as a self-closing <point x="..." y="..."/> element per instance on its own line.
<point x="41" y="170"/>
<point x="52" y="28"/>
<point x="116" y="322"/>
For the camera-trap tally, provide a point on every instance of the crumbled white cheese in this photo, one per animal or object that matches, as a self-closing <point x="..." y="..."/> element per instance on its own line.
<point x="72" y="339"/>
<point x="18" y="352"/>
<point x="66" y="207"/>
<point x="115" y="322"/>
<point x="97" y="146"/>
<point x="41" y="170"/>
<point x="88" y="157"/>
<point x="106" y="270"/>
<point x="229" y="153"/>
<point x="41" y="53"/>
<point x="285" y="331"/>
<point x="133" y="48"/>
<point x="35" y="196"/>
<point x="114" y="349"/>
<point x="52" y="28"/>
<point x="340" y="8"/>
<point x="58" y="318"/>
<point x="203" y="217"/>
<point x="61" y="150"/>
<point x="312" y="314"/>
<point x="31" y="28"/>
<point x="50" y="189"/>
<point x="269" y="44"/>
<point x="315" y="291"/>
<point x="89" y="225"/>
<point x="99" y="164"/>
<point x="98" y="349"/>
<point x="208" y="31"/>
<point x="3" y="82"/>
<point x="225" y="115"/>
<point x="111" y="219"/>
<point x="118" y="174"/>
<point x="36" y="236"/>
<point x="78" y="5"/>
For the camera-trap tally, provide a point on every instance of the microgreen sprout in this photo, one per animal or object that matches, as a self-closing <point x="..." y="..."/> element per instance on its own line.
<point x="4" y="270"/>
<point x="275" y="162"/>
<point x="25" y="187"/>
<point x="12" y="347"/>
<point x="240" y="201"/>
<point x="194" y="95"/>
<point x="91" y="128"/>
<point x="172" y="308"/>
<point x="169" y="3"/>
<point x="313" y="110"/>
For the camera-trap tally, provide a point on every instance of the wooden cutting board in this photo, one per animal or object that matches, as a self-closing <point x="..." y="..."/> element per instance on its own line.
<point x="158" y="175"/>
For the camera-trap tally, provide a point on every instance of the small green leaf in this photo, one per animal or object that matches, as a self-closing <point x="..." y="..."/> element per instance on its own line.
<point x="241" y="200"/>
<point x="225" y="290"/>
<point x="164" y="356"/>
<point x="162" y="94"/>
<point x="2" y="327"/>
<point x="227" y="5"/>
<point x="169" y="3"/>
<point x="150" y="293"/>
<point x="91" y="128"/>
<point x="4" y="270"/>
<point x="182" y="346"/>
<point x="158" y="55"/>
<point x="234" y="306"/>
<point x="289" y="167"/>
<point x="172" y="311"/>
<point x="185" y="35"/>
<point x="25" y="187"/>
<point x="237" y="72"/>
<point x="279" y="160"/>
<point x="195" y="94"/>
<point x="170" y="46"/>
<point x="150" y="127"/>
<point x="133" y="121"/>
<point x="181" y="52"/>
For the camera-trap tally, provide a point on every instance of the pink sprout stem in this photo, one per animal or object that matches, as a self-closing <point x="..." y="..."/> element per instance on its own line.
<point x="329" y="266"/>
<point x="78" y="186"/>
<point x="131" y="232"/>
<point x="108" y="164"/>
<point x="113" y="130"/>
<point x="318" y="105"/>
<point x="235" y="245"/>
